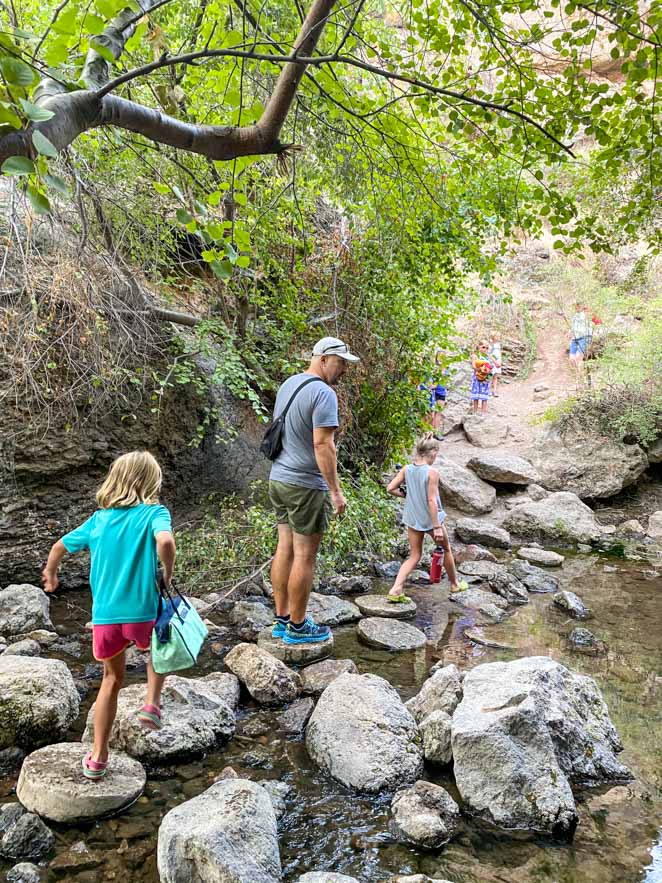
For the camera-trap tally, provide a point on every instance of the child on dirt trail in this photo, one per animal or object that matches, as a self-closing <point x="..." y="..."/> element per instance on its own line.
<point x="423" y="514"/>
<point x="495" y="357"/>
<point x="480" y="382"/>
<point x="126" y="536"/>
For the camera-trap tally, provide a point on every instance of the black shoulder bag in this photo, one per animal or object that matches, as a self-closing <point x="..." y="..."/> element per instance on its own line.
<point x="272" y="442"/>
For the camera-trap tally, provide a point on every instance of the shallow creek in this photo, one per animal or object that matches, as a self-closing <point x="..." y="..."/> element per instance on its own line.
<point x="329" y="828"/>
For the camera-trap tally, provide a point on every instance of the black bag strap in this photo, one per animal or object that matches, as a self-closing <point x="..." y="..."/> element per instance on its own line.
<point x="164" y="595"/>
<point x="283" y="413"/>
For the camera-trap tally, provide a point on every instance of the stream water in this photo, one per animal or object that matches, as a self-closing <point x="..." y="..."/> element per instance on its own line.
<point x="330" y="828"/>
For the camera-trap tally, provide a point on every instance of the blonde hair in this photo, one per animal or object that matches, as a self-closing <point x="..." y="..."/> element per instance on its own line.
<point x="495" y="336"/>
<point x="426" y="445"/>
<point x="133" y="478"/>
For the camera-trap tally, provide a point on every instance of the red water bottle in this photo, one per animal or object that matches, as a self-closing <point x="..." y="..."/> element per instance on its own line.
<point x="437" y="565"/>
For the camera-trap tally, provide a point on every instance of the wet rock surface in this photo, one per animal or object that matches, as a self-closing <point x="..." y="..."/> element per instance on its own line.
<point x="25" y="872"/>
<point x="536" y="580"/>
<point x="571" y="604"/>
<point x="229" y="832"/>
<point x="196" y="713"/>
<point x="361" y="734"/>
<point x="378" y="605"/>
<point x="488" y="604"/>
<point x="23" y="608"/>
<point x="266" y="678"/>
<point x="23" y="835"/>
<point x="425" y="815"/>
<point x="390" y="634"/>
<point x="51" y="784"/>
<point x="540" y="557"/>
<point x="509" y="587"/>
<point x="294" y="720"/>
<point x="326" y="877"/>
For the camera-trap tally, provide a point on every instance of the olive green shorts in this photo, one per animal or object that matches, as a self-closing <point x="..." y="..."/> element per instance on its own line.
<point x="305" y="509"/>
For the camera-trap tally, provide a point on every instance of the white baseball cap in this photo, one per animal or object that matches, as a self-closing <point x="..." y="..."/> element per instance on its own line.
<point x="333" y="346"/>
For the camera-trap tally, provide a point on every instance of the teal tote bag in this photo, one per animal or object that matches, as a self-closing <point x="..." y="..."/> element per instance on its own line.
<point x="178" y="632"/>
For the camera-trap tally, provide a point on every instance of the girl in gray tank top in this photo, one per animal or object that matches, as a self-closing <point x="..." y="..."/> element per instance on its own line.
<point x="423" y="514"/>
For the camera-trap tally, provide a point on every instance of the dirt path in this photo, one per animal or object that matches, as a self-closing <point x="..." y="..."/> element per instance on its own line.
<point x="518" y="404"/>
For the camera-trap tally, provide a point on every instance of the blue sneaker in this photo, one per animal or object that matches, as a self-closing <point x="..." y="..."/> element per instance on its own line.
<point x="278" y="630"/>
<point x="309" y="633"/>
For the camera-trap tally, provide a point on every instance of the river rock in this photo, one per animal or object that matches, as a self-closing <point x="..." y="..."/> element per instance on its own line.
<point x="655" y="525"/>
<point x="347" y="585"/>
<point x="326" y="877"/>
<point x="38" y="699"/>
<point x="24" y="608"/>
<point x="277" y="791"/>
<point x="416" y="878"/>
<point x="316" y="678"/>
<point x="442" y="691"/>
<point x="249" y="618"/>
<point x="590" y="467"/>
<point x="362" y="735"/>
<point x="463" y="490"/>
<point x="425" y="815"/>
<point x="560" y="518"/>
<point x="296" y="717"/>
<point x="51" y="784"/>
<point x="435" y="730"/>
<point x="503" y="467"/>
<point x="585" y="641"/>
<point x="571" y="604"/>
<point x="227" y="833"/>
<point x="387" y="569"/>
<point x="390" y="634"/>
<point x="472" y="530"/>
<point x="632" y="527"/>
<point x="486" y="603"/>
<point x="536" y="580"/>
<point x="536" y="492"/>
<point x="266" y="678"/>
<point x="541" y="557"/>
<point x="294" y="654"/>
<point x="196" y="718"/>
<point x="509" y="587"/>
<point x="485" y="432"/>
<point x="377" y="605"/>
<point x="463" y="554"/>
<point x="523" y="732"/>
<point x="25" y="872"/>
<point x="23" y="648"/>
<point x="332" y="611"/>
<point x="485" y="570"/>
<point x="23" y="834"/>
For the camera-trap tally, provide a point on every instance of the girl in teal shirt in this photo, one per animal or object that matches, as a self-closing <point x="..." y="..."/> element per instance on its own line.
<point x="126" y="537"/>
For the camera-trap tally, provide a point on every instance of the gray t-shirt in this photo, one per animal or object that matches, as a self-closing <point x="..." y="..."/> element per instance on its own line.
<point x="315" y="406"/>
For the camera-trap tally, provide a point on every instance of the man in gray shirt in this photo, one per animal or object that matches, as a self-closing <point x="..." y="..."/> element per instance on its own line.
<point x="304" y="486"/>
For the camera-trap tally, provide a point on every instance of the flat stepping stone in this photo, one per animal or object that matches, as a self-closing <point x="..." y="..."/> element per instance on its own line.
<point x="294" y="654"/>
<point x="52" y="784"/>
<point x="377" y="605"/>
<point x="541" y="557"/>
<point x="390" y="634"/>
<point x="483" y="569"/>
<point x="330" y="610"/>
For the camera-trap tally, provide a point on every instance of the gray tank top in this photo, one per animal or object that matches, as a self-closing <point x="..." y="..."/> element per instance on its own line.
<point x="417" y="512"/>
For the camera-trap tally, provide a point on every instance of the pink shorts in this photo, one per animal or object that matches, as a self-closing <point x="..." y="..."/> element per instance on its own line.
<point x="110" y="640"/>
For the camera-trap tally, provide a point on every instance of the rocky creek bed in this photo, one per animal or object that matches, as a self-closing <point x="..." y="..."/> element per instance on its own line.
<point x="323" y="825"/>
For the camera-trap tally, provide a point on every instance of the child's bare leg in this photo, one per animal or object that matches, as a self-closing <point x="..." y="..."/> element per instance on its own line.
<point x="483" y="406"/>
<point x="154" y="686"/>
<point x="475" y="405"/>
<point x="449" y="563"/>
<point x="105" y="707"/>
<point x="415" y="551"/>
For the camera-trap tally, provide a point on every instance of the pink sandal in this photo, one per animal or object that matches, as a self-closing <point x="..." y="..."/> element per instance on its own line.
<point x="93" y="769"/>
<point x="149" y="717"/>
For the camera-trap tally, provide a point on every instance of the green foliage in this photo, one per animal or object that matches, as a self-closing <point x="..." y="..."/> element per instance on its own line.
<point x="237" y="538"/>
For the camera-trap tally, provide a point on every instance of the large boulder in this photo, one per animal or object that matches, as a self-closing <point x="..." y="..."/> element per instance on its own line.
<point x="51" y="784"/>
<point x="38" y="701"/>
<point x="442" y="691"/>
<point x="425" y="815"/>
<point x="197" y="716"/>
<point x="266" y="678"/>
<point x="472" y="530"/>
<point x="332" y="611"/>
<point x="362" y="735"/>
<point x="591" y="467"/>
<point x="463" y="490"/>
<point x="523" y="732"/>
<point x="227" y="833"/>
<point x="560" y="518"/>
<point x="485" y="432"/>
<point x="24" y="608"/>
<point x="503" y="467"/>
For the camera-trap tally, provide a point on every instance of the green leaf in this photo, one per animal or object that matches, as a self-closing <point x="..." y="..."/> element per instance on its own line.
<point x="243" y="261"/>
<point x="34" y="112"/>
<point x="17" y="72"/>
<point x="57" y="183"/>
<point x="183" y="216"/>
<point x="160" y="188"/>
<point x="8" y="117"/>
<point x="103" y="51"/>
<point x="43" y="145"/>
<point x="208" y="255"/>
<point x="18" y="165"/>
<point x="38" y="201"/>
<point x="221" y="269"/>
<point x="94" y="24"/>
